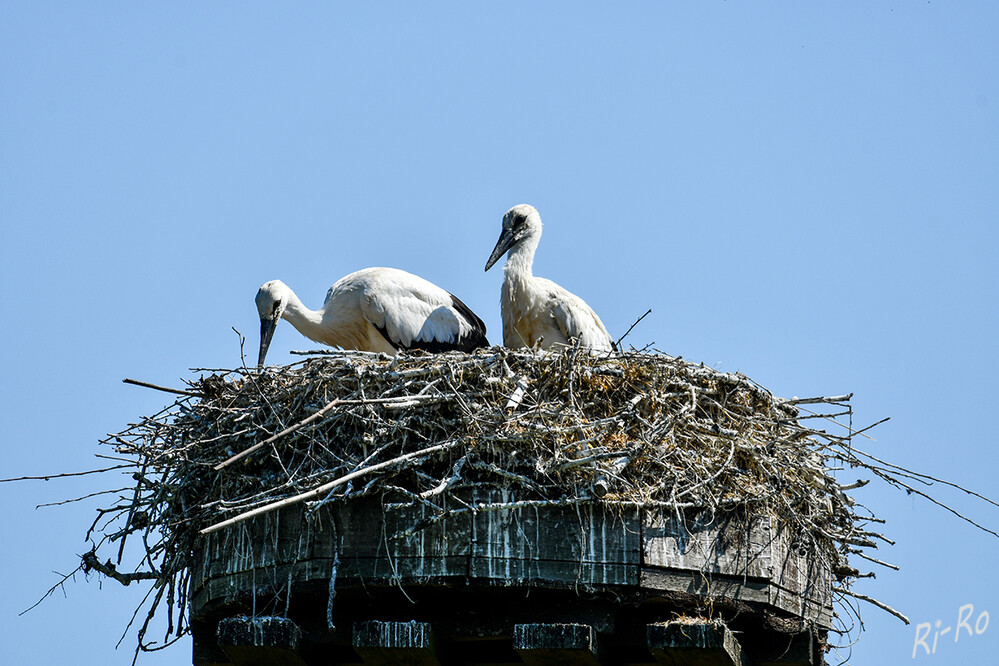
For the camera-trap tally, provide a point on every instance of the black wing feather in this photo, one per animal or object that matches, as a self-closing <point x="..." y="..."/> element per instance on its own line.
<point x="476" y="337"/>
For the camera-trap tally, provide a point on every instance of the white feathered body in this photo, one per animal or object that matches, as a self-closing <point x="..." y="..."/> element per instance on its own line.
<point x="534" y="309"/>
<point x="385" y="310"/>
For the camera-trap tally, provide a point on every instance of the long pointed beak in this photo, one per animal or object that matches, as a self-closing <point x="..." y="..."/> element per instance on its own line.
<point x="505" y="242"/>
<point x="267" y="327"/>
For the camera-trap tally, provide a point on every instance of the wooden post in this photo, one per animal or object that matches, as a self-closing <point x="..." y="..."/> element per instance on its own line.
<point x="404" y="643"/>
<point x="566" y="644"/>
<point x="699" y="643"/>
<point x="255" y="641"/>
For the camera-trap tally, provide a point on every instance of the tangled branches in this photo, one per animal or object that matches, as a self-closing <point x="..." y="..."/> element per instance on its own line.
<point x="556" y="428"/>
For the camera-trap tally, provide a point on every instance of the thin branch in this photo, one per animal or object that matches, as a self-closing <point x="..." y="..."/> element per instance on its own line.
<point x="813" y="401"/>
<point x="48" y="477"/>
<point x="51" y="590"/>
<point x="136" y="382"/>
<point x="617" y="345"/>
<point x="927" y="476"/>
<point x="84" y="497"/>
<point x="908" y="488"/>
<point x="871" y="600"/>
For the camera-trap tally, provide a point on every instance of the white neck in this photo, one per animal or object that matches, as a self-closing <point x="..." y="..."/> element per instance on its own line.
<point x="308" y="322"/>
<point x="521" y="258"/>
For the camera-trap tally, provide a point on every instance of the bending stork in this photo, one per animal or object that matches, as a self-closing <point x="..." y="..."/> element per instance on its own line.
<point x="534" y="308"/>
<point x="375" y="309"/>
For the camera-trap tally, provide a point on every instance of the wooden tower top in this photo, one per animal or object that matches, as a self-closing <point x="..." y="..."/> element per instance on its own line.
<point x="590" y="583"/>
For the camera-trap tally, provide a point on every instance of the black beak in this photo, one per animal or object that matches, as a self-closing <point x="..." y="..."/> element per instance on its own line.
<point x="506" y="240"/>
<point x="267" y="327"/>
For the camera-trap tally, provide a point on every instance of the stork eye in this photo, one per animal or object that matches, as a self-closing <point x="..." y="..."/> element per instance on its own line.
<point x="277" y="307"/>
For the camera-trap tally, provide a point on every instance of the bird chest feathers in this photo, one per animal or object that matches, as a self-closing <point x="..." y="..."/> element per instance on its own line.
<point x="526" y="314"/>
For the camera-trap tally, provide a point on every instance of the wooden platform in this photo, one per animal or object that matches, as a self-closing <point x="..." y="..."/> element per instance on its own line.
<point x="572" y="584"/>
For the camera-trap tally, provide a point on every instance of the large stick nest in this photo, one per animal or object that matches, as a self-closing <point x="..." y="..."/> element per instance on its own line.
<point x="563" y="426"/>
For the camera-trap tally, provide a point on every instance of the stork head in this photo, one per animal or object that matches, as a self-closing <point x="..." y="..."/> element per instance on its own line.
<point x="272" y="299"/>
<point x="519" y="223"/>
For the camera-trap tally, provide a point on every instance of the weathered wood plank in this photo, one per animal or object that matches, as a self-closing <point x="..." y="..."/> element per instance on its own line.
<point x="284" y="536"/>
<point x="713" y="586"/>
<point x="802" y="581"/>
<point x="695" y="644"/>
<point x="556" y="644"/>
<point x="407" y="643"/>
<point x="528" y="571"/>
<point x="708" y="542"/>
<point x="585" y="544"/>
<point x="361" y="532"/>
<point x="751" y="548"/>
<point x="260" y="641"/>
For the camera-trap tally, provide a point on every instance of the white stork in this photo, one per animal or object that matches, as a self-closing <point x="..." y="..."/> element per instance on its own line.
<point x="375" y="309"/>
<point x="534" y="308"/>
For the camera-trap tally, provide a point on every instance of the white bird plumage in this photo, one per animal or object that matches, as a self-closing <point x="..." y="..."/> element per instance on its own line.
<point x="534" y="308"/>
<point x="375" y="309"/>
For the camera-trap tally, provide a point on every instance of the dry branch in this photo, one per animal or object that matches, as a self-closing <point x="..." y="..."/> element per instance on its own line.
<point x="165" y="389"/>
<point x="871" y="600"/>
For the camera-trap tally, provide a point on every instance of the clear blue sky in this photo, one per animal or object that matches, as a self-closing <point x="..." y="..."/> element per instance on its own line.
<point x="804" y="192"/>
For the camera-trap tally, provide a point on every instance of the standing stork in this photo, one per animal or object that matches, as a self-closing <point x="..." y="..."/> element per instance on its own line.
<point x="534" y="308"/>
<point x="377" y="310"/>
